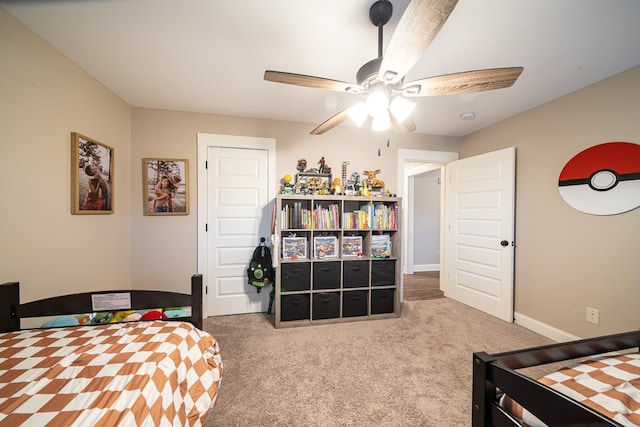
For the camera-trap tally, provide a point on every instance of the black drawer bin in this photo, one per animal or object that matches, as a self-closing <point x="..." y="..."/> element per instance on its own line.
<point x="326" y="305"/>
<point x="382" y="301"/>
<point x="294" y="307"/>
<point x="383" y="272"/>
<point x="355" y="303"/>
<point x="295" y="276"/>
<point x="355" y="274"/>
<point x="326" y="275"/>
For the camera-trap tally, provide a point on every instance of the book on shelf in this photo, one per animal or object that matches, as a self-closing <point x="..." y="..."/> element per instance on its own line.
<point x="326" y="217"/>
<point x="295" y="216"/>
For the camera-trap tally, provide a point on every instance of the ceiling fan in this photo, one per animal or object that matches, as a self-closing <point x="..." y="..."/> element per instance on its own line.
<point x="382" y="79"/>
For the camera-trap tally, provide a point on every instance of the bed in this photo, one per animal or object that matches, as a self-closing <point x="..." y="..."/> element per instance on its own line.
<point x="598" y="386"/>
<point x="141" y="373"/>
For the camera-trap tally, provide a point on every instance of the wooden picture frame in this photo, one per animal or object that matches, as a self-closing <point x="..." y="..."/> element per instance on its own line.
<point x="92" y="185"/>
<point x="165" y="186"/>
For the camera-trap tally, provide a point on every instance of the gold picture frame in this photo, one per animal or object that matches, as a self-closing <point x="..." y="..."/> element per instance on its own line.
<point x="91" y="176"/>
<point x="165" y="186"/>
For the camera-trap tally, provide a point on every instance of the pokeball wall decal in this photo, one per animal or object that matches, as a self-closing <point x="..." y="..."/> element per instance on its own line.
<point x="603" y="179"/>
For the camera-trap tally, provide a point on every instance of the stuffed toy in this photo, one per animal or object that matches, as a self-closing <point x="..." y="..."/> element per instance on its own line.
<point x="172" y="313"/>
<point x="153" y="315"/>
<point x="133" y="317"/>
<point x="119" y="316"/>
<point x="101" y="318"/>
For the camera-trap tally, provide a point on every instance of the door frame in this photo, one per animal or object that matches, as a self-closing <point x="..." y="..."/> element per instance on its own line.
<point x="406" y="169"/>
<point x="204" y="141"/>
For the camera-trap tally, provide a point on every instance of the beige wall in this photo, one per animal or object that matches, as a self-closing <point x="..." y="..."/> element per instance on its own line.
<point x="44" y="98"/>
<point x="164" y="249"/>
<point x="567" y="260"/>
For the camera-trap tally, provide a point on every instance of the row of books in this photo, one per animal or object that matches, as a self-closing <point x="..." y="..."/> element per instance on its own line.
<point x="377" y="216"/>
<point x="298" y="217"/>
<point x="327" y="246"/>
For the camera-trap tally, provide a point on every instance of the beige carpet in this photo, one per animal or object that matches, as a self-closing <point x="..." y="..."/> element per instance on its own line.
<point x="411" y="371"/>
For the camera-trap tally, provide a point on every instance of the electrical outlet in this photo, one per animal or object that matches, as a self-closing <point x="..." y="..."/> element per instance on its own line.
<point x="593" y="315"/>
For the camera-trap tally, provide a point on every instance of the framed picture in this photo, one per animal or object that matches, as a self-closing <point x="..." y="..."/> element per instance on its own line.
<point x="165" y="186"/>
<point x="91" y="176"/>
<point x="313" y="181"/>
<point x="325" y="247"/>
<point x="380" y="246"/>
<point x="351" y="246"/>
<point x="294" y="247"/>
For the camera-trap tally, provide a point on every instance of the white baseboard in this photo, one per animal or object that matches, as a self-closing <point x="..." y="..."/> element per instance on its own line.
<point x="543" y="329"/>
<point x="426" y="267"/>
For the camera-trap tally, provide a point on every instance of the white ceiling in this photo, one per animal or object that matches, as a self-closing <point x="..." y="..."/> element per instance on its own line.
<point x="210" y="55"/>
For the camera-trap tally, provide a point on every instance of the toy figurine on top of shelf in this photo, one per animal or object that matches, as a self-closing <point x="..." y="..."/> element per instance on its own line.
<point x="287" y="188"/>
<point x="372" y="181"/>
<point x="352" y="186"/>
<point x="336" y="187"/>
<point x="314" y="180"/>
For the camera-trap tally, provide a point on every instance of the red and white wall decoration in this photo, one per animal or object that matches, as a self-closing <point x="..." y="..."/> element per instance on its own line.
<point x="603" y="179"/>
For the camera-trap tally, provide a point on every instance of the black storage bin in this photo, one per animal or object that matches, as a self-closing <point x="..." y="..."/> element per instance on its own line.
<point x="326" y="275"/>
<point x="326" y="305"/>
<point x="355" y="274"/>
<point x="294" y="307"/>
<point x="382" y="301"/>
<point x="383" y="272"/>
<point x="355" y="303"/>
<point x="295" y="276"/>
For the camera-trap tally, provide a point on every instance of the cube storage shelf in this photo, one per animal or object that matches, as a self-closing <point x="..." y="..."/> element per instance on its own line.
<point x="339" y="259"/>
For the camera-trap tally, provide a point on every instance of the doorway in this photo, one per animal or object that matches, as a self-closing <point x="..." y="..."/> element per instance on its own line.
<point x="410" y="164"/>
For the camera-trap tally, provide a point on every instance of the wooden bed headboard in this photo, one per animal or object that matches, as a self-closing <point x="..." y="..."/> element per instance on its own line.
<point x="11" y="311"/>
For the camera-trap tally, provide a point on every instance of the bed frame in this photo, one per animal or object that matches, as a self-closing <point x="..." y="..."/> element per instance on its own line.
<point x="492" y="371"/>
<point x="11" y="311"/>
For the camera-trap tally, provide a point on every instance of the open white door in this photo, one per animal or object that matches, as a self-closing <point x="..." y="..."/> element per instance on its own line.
<point x="479" y="232"/>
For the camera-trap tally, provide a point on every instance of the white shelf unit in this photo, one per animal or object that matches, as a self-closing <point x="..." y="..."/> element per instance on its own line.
<point x="329" y="279"/>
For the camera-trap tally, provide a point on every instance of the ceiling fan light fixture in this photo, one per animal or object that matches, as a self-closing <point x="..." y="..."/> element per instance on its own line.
<point x="377" y="103"/>
<point x="358" y="113"/>
<point x="381" y="122"/>
<point x="401" y="108"/>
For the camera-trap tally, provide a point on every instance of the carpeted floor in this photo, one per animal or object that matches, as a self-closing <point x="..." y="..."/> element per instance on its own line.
<point x="414" y="370"/>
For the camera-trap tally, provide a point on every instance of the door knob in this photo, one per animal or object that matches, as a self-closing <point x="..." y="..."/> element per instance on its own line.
<point x="504" y="243"/>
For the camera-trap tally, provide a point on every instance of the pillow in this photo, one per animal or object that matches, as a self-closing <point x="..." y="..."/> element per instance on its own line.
<point x="61" y="322"/>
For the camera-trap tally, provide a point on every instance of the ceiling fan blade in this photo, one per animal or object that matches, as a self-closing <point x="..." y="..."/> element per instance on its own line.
<point x="465" y="82"/>
<point x="405" y="126"/>
<point x="332" y="122"/>
<point x="311" y="81"/>
<point x="418" y="26"/>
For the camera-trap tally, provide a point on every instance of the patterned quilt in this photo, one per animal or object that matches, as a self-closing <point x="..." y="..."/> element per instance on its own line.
<point x="126" y="374"/>
<point x="609" y="385"/>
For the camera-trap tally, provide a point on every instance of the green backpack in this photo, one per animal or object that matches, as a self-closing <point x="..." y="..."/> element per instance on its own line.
<point x="260" y="272"/>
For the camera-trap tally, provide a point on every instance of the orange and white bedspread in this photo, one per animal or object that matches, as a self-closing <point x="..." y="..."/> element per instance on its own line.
<point x="609" y="385"/>
<point x="125" y="374"/>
